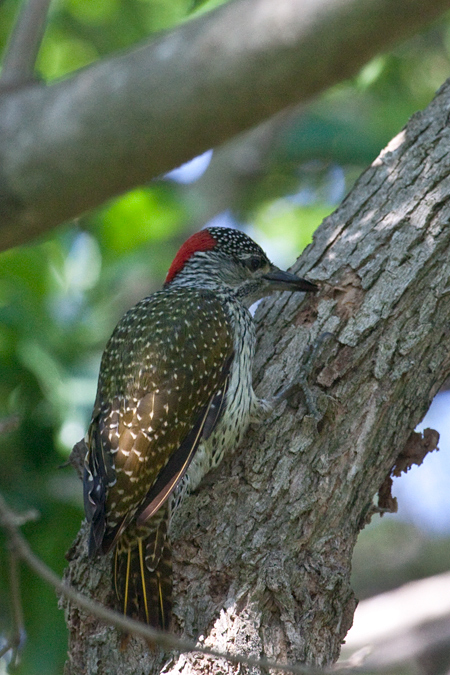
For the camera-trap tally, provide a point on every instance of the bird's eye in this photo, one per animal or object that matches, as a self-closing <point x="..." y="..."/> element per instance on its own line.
<point x="254" y="263"/>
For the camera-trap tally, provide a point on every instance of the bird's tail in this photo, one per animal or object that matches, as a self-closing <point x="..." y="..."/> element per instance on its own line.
<point x="143" y="572"/>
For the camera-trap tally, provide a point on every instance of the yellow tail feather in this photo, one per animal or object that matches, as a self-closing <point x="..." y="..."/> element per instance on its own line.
<point x="144" y="590"/>
<point x="143" y="572"/>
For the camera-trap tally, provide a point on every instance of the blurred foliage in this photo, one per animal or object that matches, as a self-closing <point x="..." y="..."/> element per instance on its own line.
<point x="394" y="552"/>
<point x="61" y="297"/>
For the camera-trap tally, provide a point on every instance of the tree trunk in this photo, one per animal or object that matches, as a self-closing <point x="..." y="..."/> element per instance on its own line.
<point x="263" y="551"/>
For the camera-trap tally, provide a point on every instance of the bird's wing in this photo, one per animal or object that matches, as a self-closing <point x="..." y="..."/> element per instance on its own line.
<point x="163" y="379"/>
<point x="172" y="473"/>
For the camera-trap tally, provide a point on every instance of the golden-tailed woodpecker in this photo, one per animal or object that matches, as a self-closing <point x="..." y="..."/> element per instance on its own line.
<point x="174" y="393"/>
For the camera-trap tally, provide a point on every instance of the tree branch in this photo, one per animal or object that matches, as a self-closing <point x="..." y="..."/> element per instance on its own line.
<point x="403" y="625"/>
<point x="68" y="147"/>
<point x="18" y="629"/>
<point x="262" y="556"/>
<point x="20" y="548"/>
<point x="22" y="50"/>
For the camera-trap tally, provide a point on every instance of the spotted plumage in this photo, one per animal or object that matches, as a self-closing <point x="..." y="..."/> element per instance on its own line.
<point x="174" y="393"/>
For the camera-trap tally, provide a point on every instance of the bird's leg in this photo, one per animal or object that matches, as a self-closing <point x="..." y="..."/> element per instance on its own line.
<point x="300" y="381"/>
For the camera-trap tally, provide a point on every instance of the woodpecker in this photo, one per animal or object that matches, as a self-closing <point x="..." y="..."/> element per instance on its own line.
<point x="174" y="394"/>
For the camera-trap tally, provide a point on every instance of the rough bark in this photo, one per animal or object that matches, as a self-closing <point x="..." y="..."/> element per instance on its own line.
<point x="68" y="147"/>
<point x="263" y="553"/>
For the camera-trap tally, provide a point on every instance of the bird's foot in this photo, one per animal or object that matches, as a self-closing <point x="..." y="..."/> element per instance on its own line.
<point x="313" y="402"/>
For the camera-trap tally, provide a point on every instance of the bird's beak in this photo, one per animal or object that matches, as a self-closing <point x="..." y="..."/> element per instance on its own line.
<point x="286" y="281"/>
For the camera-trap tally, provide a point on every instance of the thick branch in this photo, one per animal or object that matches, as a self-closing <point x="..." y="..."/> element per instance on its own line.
<point x="67" y="148"/>
<point x="263" y="552"/>
<point x="20" y="549"/>
<point x="404" y="625"/>
<point x="23" y="48"/>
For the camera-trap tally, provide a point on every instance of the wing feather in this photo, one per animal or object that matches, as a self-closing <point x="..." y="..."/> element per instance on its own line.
<point x="161" y="390"/>
<point x="170" y="476"/>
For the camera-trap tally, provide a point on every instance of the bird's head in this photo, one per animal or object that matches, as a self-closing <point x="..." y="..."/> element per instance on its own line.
<point x="221" y="258"/>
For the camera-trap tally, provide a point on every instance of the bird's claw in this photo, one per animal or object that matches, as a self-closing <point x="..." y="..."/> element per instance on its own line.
<point x="301" y="382"/>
